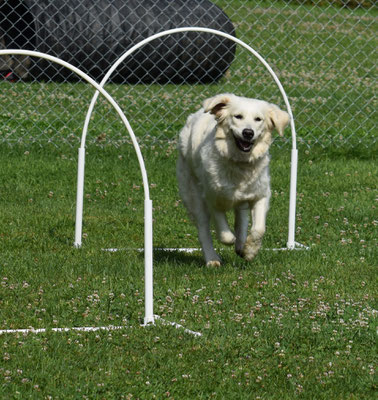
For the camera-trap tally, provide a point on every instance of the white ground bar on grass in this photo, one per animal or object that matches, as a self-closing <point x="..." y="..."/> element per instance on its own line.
<point x="94" y="329"/>
<point x="299" y="246"/>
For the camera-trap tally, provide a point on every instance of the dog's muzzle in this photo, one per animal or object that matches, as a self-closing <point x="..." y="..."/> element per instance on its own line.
<point x="245" y="143"/>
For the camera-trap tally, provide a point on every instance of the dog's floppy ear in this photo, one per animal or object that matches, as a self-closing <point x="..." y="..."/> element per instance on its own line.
<point x="277" y="119"/>
<point x="217" y="104"/>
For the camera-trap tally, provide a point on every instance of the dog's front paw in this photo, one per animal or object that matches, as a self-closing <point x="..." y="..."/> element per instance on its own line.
<point x="252" y="246"/>
<point x="213" y="264"/>
<point x="227" y="238"/>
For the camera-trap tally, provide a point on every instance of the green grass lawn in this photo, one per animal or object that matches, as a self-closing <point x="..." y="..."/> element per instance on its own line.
<point x="288" y="325"/>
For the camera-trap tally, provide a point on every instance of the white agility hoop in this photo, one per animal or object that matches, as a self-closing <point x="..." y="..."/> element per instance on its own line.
<point x="149" y="316"/>
<point x="291" y="243"/>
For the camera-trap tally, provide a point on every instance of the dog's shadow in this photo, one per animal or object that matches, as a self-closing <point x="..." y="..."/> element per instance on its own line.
<point x="176" y="258"/>
<point x="195" y="258"/>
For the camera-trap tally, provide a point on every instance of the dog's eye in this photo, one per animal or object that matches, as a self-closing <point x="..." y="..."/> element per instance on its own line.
<point x="238" y="116"/>
<point x="258" y="119"/>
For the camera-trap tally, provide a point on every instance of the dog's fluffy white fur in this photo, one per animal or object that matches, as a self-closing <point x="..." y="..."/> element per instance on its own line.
<point x="223" y="165"/>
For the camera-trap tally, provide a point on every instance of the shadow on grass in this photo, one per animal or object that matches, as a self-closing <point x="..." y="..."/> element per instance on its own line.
<point x="177" y="258"/>
<point x="227" y="255"/>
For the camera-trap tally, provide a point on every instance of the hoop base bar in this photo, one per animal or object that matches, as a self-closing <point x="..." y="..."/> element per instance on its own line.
<point x="189" y="250"/>
<point x="97" y="328"/>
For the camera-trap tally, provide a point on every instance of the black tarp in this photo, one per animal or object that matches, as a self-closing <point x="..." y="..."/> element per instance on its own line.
<point x="93" y="34"/>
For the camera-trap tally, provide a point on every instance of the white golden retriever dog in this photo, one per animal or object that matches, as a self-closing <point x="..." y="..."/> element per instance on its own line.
<point x="223" y="165"/>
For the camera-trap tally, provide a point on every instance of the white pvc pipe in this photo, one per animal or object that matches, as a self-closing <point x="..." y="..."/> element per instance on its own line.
<point x="293" y="197"/>
<point x="79" y="329"/>
<point x="100" y="89"/>
<point x="93" y="329"/>
<point x="178" y="326"/>
<point x="81" y="164"/>
<point x="293" y="182"/>
<point x="180" y="30"/>
<point x="148" y="264"/>
<point x="79" y="197"/>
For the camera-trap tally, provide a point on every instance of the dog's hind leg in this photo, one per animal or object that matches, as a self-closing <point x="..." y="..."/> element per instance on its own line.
<point x="241" y="227"/>
<point x="254" y="239"/>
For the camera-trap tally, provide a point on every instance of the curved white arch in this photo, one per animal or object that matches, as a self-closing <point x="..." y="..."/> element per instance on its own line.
<point x="181" y="30"/>
<point x="99" y="89"/>
<point x="149" y="316"/>
<point x="294" y="152"/>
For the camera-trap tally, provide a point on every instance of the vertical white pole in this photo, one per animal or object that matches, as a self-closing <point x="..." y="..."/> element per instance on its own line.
<point x="79" y="197"/>
<point x="148" y="263"/>
<point x="293" y="198"/>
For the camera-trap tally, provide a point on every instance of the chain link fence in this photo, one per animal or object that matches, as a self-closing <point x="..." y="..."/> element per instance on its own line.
<point x="324" y="53"/>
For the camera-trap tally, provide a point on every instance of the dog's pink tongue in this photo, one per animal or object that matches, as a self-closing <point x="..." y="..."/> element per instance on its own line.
<point x="246" y="146"/>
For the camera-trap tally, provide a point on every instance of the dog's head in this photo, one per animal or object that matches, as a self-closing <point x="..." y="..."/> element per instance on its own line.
<point x="244" y="126"/>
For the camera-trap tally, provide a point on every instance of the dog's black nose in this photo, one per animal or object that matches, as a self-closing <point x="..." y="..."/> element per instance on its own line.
<point x="248" y="134"/>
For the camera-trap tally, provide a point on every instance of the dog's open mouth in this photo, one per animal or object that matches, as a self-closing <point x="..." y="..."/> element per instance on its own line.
<point x="243" y="145"/>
